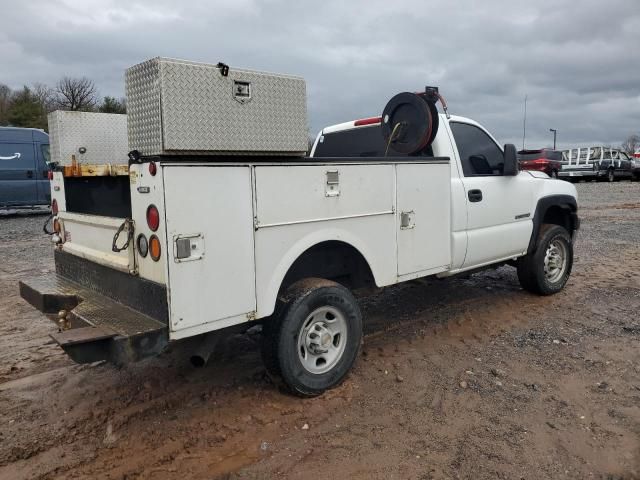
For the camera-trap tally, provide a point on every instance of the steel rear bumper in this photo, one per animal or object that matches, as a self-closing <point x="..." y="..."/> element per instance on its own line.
<point x="94" y="326"/>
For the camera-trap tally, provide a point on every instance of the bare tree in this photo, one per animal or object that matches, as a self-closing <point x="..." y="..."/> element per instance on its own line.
<point x="76" y="94"/>
<point x="631" y="144"/>
<point x="45" y="95"/>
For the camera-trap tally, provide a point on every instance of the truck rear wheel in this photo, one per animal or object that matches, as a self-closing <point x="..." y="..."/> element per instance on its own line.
<point x="313" y="339"/>
<point x="547" y="269"/>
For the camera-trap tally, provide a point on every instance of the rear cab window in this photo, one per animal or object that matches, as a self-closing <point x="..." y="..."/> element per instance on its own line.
<point x="357" y="142"/>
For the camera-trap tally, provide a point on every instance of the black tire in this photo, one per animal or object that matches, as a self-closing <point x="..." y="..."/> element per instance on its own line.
<point x="282" y="332"/>
<point x="531" y="267"/>
<point x="611" y="176"/>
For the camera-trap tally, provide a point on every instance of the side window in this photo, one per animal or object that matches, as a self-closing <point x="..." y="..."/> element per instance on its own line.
<point x="479" y="154"/>
<point x="596" y="153"/>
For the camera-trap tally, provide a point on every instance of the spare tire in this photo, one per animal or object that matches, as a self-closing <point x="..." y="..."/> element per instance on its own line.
<point x="409" y="123"/>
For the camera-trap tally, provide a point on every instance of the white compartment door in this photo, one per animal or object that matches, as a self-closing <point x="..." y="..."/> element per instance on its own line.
<point x="424" y="231"/>
<point x="209" y="213"/>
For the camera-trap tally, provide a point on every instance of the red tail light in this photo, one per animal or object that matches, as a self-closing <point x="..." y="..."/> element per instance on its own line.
<point x="50" y="175"/>
<point x="152" y="168"/>
<point x="367" y="121"/>
<point x="54" y="207"/>
<point x="153" y="218"/>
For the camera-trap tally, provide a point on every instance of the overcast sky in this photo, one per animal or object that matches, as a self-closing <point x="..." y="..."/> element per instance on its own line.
<point x="577" y="60"/>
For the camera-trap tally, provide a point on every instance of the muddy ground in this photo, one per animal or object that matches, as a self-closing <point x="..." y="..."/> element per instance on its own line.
<point x="459" y="378"/>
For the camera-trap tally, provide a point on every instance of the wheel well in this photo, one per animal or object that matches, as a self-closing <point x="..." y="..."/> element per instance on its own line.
<point x="559" y="215"/>
<point x="555" y="210"/>
<point x="332" y="260"/>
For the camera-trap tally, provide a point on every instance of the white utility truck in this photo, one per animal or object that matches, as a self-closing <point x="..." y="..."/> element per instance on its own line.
<point x="227" y="224"/>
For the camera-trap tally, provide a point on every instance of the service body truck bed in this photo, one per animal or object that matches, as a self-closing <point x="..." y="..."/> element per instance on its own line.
<point x="280" y="240"/>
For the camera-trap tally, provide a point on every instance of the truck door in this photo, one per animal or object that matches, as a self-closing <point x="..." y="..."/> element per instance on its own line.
<point x="499" y="216"/>
<point x="209" y="218"/>
<point x="17" y="174"/>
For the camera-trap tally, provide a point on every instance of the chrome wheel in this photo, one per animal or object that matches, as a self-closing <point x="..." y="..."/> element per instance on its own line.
<point x="322" y="340"/>
<point x="555" y="261"/>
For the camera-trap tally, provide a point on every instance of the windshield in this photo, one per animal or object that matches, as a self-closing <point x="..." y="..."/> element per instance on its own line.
<point x="45" y="152"/>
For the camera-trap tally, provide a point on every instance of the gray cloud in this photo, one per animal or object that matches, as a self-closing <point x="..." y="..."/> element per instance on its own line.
<point x="578" y="62"/>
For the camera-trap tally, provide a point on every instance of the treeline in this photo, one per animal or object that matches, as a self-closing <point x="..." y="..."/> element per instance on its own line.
<point x="29" y="106"/>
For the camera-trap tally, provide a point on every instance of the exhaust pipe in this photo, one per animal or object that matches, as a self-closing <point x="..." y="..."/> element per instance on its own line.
<point x="205" y="348"/>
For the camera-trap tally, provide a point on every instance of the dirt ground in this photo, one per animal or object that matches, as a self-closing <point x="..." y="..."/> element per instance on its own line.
<point x="460" y="378"/>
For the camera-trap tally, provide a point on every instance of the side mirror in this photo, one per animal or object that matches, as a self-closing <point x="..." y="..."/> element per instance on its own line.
<point x="510" y="160"/>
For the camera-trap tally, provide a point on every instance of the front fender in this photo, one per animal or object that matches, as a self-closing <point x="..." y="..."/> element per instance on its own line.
<point x="565" y="202"/>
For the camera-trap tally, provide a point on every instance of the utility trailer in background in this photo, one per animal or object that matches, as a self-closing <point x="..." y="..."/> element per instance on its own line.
<point x="207" y="240"/>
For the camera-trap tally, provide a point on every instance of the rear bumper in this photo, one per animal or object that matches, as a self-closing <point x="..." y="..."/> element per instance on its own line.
<point x="96" y="326"/>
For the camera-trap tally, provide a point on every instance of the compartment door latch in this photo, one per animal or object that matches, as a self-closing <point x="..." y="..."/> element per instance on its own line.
<point x="332" y="187"/>
<point x="407" y="220"/>
<point x="187" y="248"/>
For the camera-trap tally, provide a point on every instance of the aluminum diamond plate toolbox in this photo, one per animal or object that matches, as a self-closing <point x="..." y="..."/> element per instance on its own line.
<point x="180" y="107"/>
<point x="94" y="138"/>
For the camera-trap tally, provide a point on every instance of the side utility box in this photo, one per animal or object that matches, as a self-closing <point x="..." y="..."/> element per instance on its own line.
<point x="177" y="107"/>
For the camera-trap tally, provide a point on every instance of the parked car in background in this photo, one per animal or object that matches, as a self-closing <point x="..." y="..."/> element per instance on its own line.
<point x="595" y="163"/>
<point x="544" y="160"/>
<point x="24" y="153"/>
<point x="635" y="166"/>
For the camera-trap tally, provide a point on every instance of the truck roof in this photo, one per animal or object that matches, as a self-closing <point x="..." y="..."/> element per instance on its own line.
<point x="362" y="126"/>
<point x="19" y="134"/>
<point x="369" y="121"/>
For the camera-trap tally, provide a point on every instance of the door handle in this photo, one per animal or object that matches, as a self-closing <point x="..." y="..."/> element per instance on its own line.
<point x="475" y="195"/>
<point x="29" y="173"/>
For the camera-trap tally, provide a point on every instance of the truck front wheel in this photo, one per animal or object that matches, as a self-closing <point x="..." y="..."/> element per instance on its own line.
<point x="546" y="270"/>
<point x="313" y="339"/>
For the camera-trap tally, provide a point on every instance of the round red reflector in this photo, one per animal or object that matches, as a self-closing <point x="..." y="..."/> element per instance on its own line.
<point x="154" y="248"/>
<point x="152" y="168"/>
<point x="54" y="207"/>
<point x="153" y="218"/>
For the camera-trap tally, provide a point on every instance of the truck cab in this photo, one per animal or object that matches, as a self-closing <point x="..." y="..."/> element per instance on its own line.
<point x="24" y="153"/>
<point x="494" y="215"/>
